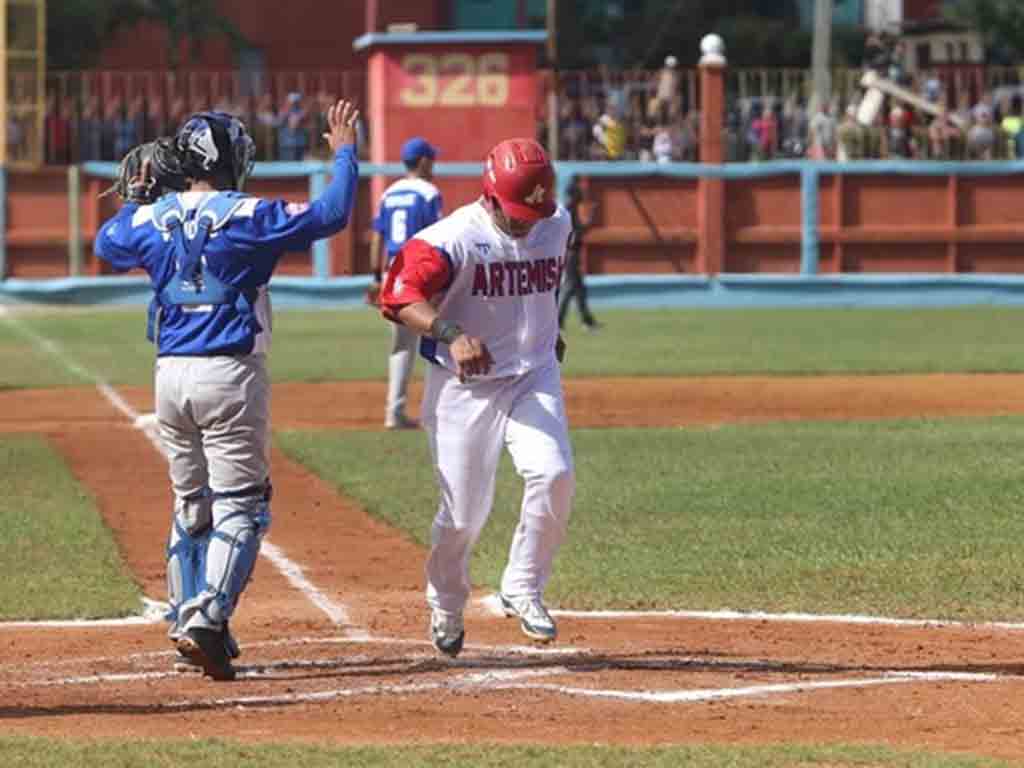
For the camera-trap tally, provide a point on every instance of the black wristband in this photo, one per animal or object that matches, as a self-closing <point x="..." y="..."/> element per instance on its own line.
<point x="444" y="331"/>
<point x="376" y="275"/>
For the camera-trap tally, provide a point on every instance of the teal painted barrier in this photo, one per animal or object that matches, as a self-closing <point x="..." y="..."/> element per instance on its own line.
<point x="605" y="291"/>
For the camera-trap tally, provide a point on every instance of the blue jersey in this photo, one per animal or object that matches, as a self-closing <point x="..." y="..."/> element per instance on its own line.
<point x="238" y="257"/>
<point x="407" y="206"/>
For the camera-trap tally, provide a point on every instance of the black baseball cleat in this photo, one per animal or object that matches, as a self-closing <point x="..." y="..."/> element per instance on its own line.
<point x="447" y="632"/>
<point x="186" y="665"/>
<point x="206" y="648"/>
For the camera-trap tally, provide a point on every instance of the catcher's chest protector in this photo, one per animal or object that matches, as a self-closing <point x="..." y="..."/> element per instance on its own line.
<point x="193" y="286"/>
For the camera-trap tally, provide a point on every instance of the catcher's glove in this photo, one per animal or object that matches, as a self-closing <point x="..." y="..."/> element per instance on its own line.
<point x="148" y="172"/>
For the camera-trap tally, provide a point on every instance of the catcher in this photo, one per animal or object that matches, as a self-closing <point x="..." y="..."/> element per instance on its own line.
<point x="409" y="205"/>
<point x="210" y="252"/>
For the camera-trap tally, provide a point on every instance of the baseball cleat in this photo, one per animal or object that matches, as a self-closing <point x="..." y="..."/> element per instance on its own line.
<point x="185" y="665"/>
<point x="206" y="648"/>
<point x="534" y="619"/>
<point x="447" y="632"/>
<point x="400" y="421"/>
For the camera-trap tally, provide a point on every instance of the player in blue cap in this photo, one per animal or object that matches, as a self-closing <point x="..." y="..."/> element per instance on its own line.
<point x="407" y="206"/>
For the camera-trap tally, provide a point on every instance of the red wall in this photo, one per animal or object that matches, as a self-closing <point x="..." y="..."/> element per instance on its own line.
<point x="299" y="34"/>
<point x="922" y="10"/>
<point x="927" y="225"/>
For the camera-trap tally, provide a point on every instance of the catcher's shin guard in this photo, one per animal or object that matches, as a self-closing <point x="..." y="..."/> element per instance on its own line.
<point x="186" y="553"/>
<point x="231" y="552"/>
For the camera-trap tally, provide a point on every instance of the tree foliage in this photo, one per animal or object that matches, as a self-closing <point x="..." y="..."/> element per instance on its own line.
<point x="999" y="22"/>
<point x="642" y="32"/>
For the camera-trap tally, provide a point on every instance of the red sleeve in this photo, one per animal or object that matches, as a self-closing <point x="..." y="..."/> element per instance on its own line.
<point x="417" y="272"/>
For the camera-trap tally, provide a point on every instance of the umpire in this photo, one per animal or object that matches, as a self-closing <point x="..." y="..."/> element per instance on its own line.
<point x="210" y="252"/>
<point x="572" y="281"/>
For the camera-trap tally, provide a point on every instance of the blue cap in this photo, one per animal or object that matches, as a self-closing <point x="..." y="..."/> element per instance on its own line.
<point x="416" y="148"/>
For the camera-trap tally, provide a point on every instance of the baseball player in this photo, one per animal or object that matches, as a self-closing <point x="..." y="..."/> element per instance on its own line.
<point x="480" y="286"/>
<point x="407" y="206"/>
<point x="573" y="285"/>
<point x="210" y="252"/>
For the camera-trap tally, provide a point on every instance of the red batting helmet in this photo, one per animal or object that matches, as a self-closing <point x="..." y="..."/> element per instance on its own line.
<point x="519" y="174"/>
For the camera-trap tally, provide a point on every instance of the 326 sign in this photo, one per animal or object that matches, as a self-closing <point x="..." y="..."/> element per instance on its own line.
<point x="454" y="80"/>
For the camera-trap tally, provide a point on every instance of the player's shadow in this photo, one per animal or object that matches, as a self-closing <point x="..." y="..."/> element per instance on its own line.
<point x="477" y="670"/>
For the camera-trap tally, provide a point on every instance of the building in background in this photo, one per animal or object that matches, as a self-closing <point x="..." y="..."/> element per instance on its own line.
<point x="846" y="13"/>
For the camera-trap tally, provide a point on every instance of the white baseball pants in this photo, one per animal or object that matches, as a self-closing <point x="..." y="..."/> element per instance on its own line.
<point x="468" y="424"/>
<point x="401" y="360"/>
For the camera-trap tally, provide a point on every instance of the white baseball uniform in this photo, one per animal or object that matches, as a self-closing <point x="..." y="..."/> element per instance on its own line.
<point x="501" y="290"/>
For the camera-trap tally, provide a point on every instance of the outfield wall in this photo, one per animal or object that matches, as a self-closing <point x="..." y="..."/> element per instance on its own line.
<point x="779" y="233"/>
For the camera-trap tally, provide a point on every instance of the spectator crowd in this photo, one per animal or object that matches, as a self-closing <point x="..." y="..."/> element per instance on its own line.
<point x="605" y="124"/>
<point x="79" y="130"/>
<point x="605" y="114"/>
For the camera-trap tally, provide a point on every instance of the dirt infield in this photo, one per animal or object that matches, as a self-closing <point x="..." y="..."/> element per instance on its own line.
<point x="339" y="652"/>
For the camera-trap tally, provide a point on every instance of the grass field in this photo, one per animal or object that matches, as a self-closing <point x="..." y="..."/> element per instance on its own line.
<point x="46" y="753"/>
<point x="916" y="519"/>
<point x="58" y="559"/>
<point x="351" y="344"/>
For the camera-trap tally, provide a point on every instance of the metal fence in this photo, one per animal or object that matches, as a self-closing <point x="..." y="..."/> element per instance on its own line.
<point x="98" y="115"/>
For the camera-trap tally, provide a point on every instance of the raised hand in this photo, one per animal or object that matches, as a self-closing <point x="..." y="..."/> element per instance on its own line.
<point x="341" y="123"/>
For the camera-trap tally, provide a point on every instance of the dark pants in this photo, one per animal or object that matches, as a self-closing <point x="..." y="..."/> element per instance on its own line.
<point x="573" y="286"/>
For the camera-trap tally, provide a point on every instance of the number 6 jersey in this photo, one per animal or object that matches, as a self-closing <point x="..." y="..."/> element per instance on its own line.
<point x="406" y="207"/>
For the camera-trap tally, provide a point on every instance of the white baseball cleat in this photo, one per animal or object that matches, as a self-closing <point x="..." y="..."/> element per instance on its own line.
<point x="447" y="632"/>
<point x="534" y="619"/>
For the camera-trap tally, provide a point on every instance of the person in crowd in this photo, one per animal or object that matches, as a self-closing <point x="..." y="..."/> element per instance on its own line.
<point x="822" y="133"/>
<point x="899" y="144"/>
<point x="765" y="131"/>
<point x="90" y="131"/>
<point x="611" y="136"/>
<point x="981" y="136"/>
<point x="1012" y="124"/>
<point x="667" y="90"/>
<point x="128" y="127"/>
<point x="944" y="139"/>
<point x="265" y="128"/>
<point x="575" y="131"/>
<point x="292" y="135"/>
<point x="57" y="127"/>
<point x="157" y="123"/>
<point x="850" y="138"/>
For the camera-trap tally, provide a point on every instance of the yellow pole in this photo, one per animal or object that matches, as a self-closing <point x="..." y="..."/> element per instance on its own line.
<point x="3" y="82"/>
<point x="40" y="80"/>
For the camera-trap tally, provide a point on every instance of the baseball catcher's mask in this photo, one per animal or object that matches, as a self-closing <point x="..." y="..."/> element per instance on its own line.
<point x="211" y="142"/>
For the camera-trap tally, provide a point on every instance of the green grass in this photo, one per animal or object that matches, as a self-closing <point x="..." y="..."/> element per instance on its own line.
<point x="352" y="344"/>
<point x="915" y="519"/>
<point x="59" y="559"/>
<point x="49" y="753"/>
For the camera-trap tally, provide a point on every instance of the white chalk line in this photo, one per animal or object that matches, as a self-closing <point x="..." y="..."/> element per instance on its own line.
<point x="510" y="651"/>
<point x="292" y="571"/>
<point x="492" y="605"/>
<point x="752" y="691"/>
<point x="512" y="679"/>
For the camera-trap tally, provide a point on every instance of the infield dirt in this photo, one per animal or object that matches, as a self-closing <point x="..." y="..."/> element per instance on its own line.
<point x="306" y="677"/>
